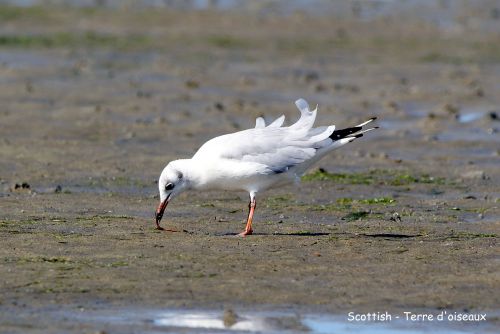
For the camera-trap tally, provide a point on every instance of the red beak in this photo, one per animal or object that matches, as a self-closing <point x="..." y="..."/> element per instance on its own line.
<point x="160" y="211"/>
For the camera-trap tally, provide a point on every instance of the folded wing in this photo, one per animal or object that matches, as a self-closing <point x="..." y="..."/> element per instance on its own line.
<point x="275" y="148"/>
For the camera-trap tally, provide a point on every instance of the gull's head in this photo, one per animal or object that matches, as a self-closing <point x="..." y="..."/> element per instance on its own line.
<point x="172" y="182"/>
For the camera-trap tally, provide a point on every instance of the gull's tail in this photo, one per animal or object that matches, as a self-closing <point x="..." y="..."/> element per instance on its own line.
<point x="339" y="138"/>
<point x="349" y="134"/>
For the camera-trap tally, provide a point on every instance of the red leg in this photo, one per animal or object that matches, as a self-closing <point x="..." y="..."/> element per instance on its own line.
<point x="251" y="208"/>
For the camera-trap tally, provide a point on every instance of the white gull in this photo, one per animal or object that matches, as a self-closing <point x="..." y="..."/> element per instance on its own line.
<point x="256" y="159"/>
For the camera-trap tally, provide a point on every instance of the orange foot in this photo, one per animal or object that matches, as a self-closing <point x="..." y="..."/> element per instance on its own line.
<point x="245" y="233"/>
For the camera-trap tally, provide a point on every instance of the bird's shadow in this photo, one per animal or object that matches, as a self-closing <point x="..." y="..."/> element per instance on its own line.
<point x="316" y="234"/>
<point x="387" y="236"/>
<point x="302" y="234"/>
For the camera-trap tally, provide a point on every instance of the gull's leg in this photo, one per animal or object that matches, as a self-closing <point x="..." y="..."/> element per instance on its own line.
<point x="251" y="208"/>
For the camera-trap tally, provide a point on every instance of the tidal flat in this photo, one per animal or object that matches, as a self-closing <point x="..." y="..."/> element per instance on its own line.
<point x="96" y="101"/>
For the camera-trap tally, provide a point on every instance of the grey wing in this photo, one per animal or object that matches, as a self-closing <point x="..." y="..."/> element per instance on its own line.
<point x="281" y="159"/>
<point x="275" y="148"/>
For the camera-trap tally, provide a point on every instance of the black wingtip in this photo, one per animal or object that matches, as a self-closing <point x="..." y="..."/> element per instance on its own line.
<point x="358" y="135"/>
<point x="339" y="134"/>
<point x="373" y="118"/>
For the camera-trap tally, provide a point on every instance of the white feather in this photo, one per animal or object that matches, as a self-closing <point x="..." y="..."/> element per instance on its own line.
<point x="278" y="122"/>
<point x="260" y="123"/>
<point x="307" y="117"/>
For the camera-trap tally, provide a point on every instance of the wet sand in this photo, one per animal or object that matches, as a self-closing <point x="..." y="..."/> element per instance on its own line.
<point x="406" y="218"/>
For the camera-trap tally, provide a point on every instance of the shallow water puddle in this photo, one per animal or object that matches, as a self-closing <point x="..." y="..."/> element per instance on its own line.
<point x="289" y="323"/>
<point x="470" y="117"/>
<point x="199" y="321"/>
<point x="212" y="320"/>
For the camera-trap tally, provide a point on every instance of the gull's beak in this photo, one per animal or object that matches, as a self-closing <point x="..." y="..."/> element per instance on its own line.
<point x="160" y="211"/>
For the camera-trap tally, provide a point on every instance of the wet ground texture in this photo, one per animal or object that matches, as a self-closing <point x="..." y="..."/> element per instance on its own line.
<point x="95" y="101"/>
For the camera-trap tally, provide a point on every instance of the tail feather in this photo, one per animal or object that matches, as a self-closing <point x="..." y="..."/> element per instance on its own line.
<point x="338" y="138"/>
<point x="278" y="122"/>
<point x="353" y="132"/>
<point x="364" y="131"/>
<point x="260" y="123"/>
<point x="368" y="121"/>
<point x="307" y="116"/>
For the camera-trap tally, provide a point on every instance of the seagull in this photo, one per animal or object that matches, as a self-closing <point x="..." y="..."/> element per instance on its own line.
<point x="255" y="159"/>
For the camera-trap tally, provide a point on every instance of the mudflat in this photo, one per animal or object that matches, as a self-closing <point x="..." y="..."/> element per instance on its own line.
<point x="95" y="102"/>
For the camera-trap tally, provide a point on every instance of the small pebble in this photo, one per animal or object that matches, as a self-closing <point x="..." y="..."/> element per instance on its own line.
<point x="22" y="186"/>
<point x="219" y="106"/>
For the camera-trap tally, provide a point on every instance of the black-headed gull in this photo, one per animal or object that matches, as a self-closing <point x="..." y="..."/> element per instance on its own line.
<point x="256" y="159"/>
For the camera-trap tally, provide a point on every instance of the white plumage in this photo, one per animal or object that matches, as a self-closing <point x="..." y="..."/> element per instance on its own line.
<point x="255" y="159"/>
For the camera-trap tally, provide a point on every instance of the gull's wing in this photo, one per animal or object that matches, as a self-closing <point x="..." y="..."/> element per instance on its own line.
<point x="278" y="122"/>
<point x="274" y="148"/>
<point x="261" y="123"/>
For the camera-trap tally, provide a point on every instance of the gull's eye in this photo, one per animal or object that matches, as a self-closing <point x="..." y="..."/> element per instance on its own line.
<point x="169" y="186"/>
